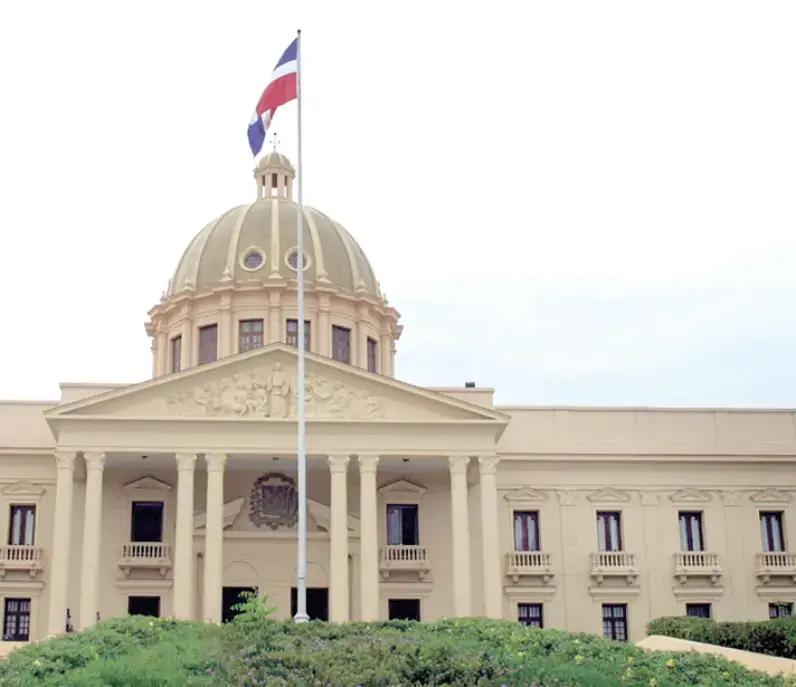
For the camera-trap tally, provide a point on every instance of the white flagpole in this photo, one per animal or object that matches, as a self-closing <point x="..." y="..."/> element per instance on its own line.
<point x="301" y="601"/>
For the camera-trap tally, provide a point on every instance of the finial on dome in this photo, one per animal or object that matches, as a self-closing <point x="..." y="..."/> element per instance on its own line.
<point x="276" y="141"/>
<point x="274" y="175"/>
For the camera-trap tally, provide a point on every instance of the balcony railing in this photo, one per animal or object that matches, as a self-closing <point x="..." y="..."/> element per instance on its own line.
<point x="20" y="557"/>
<point x="521" y="564"/>
<point x="776" y="564"/>
<point x="613" y="564"/>
<point x="689" y="564"/>
<point x="401" y="558"/>
<point x="145" y="555"/>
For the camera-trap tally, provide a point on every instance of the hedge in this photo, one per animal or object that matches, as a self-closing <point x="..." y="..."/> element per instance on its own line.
<point x="772" y="637"/>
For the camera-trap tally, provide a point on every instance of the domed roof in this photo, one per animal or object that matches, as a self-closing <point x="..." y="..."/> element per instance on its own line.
<point x="255" y="242"/>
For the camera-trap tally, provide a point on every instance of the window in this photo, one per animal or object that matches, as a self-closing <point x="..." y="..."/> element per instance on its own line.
<point x="22" y="526"/>
<point x="253" y="260"/>
<point x="691" y="538"/>
<point x="144" y="605"/>
<point x="780" y="610"/>
<point x="373" y="355"/>
<point x="530" y="615"/>
<point x="208" y="344"/>
<point x="341" y="344"/>
<point x="146" y="521"/>
<point x="176" y="353"/>
<point x="609" y="531"/>
<point x="250" y="335"/>
<point x="292" y="334"/>
<point x="404" y="609"/>
<point x="402" y="525"/>
<point x="526" y="531"/>
<point x="772" y="532"/>
<point x="16" y="621"/>
<point x="615" y="621"/>
<point x="698" y="610"/>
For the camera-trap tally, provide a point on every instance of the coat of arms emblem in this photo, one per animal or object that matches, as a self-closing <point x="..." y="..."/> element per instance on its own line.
<point x="274" y="501"/>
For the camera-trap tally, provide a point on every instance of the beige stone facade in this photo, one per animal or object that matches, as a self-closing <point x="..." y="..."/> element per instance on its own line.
<point x="172" y="495"/>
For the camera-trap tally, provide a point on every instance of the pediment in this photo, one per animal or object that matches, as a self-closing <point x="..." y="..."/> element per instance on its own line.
<point x="261" y="385"/>
<point x="690" y="496"/>
<point x="770" y="495"/>
<point x="525" y="495"/>
<point x="402" y="491"/>
<point x="609" y="495"/>
<point x="149" y="484"/>
<point x="22" y="489"/>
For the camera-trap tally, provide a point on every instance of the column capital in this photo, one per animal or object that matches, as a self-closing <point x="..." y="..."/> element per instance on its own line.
<point x="368" y="464"/>
<point x="338" y="463"/>
<point x="487" y="465"/>
<point x="65" y="459"/>
<point x="458" y="464"/>
<point x="216" y="461"/>
<point x="185" y="461"/>
<point x="95" y="460"/>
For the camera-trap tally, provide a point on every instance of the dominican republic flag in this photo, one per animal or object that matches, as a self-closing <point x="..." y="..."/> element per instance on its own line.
<point x="280" y="90"/>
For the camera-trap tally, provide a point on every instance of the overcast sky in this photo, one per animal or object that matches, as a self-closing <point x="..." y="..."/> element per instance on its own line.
<point x="573" y="202"/>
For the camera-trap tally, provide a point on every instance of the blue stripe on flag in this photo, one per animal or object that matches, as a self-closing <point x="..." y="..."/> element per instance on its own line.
<point x="256" y="136"/>
<point x="290" y="54"/>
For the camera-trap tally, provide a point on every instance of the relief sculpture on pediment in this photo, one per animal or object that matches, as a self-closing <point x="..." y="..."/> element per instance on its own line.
<point x="271" y="393"/>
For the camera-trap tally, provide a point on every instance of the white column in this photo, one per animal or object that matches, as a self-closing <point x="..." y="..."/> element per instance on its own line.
<point x="62" y="540"/>
<point x="460" y="524"/>
<point x="184" y="583"/>
<point x="338" y="544"/>
<point x="490" y="539"/>
<point x="214" y="537"/>
<point x="92" y="538"/>
<point x="368" y="539"/>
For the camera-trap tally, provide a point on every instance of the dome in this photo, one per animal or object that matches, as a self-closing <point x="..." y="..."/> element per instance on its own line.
<point x="257" y="242"/>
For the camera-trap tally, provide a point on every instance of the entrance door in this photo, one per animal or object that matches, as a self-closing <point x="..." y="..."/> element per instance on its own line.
<point x="404" y="609"/>
<point x="144" y="605"/>
<point x="231" y="596"/>
<point x="317" y="603"/>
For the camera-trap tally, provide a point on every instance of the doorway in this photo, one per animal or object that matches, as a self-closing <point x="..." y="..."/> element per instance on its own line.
<point x="143" y="605"/>
<point x="231" y="596"/>
<point x="317" y="602"/>
<point x="404" y="609"/>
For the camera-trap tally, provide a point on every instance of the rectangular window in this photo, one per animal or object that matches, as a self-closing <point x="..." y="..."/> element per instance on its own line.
<point x="176" y="353"/>
<point x="698" y="610"/>
<point x="341" y="344"/>
<point x="250" y="335"/>
<point x="373" y="355"/>
<point x="403" y="609"/>
<point x="780" y="610"/>
<point x="402" y="525"/>
<point x="609" y="531"/>
<point x="144" y="605"/>
<point x="22" y="526"/>
<point x="16" y="620"/>
<point x="691" y="536"/>
<point x="526" y="531"/>
<point x="615" y="621"/>
<point x="208" y="344"/>
<point x="146" y="521"/>
<point x="292" y="334"/>
<point x="530" y="615"/>
<point x="772" y="532"/>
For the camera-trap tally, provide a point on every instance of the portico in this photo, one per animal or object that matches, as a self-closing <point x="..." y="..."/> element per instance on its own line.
<point x="232" y="418"/>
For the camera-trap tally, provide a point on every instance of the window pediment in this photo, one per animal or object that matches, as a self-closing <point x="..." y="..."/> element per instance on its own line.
<point x="148" y="483"/>
<point x="609" y="495"/>
<point x="525" y="496"/>
<point x="770" y="495"/>
<point x="690" y="496"/>
<point x="23" y="492"/>
<point x="402" y="491"/>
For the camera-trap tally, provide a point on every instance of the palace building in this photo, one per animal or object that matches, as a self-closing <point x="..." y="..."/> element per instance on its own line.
<point x="171" y="496"/>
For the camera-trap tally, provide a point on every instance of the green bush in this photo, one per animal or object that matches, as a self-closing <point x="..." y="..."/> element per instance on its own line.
<point x="771" y="637"/>
<point x="257" y="651"/>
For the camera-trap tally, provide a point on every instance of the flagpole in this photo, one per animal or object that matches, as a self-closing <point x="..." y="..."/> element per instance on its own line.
<point x="301" y="601"/>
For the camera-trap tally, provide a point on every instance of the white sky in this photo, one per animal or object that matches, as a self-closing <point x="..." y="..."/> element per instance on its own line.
<point x="574" y="202"/>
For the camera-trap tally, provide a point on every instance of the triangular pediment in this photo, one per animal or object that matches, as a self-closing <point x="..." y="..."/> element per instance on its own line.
<point x="261" y="385"/>
<point x="149" y="484"/>
<point x="22" y="489"/>
<point x="403" y="489"/>
<point x="525" y="495"/>
<point x="609" y="495"/>
<point x="770" y="495"/>
<point x="690" y="496"/>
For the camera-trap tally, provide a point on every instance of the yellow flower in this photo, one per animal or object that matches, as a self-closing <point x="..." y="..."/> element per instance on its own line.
<point x="653" y="682"/>
<point x="630" y="659"/>
<point x="151" y="623"/>
<point x="37" y="662"/>
<point x="726" y="675"/>
<point x="671" y="663"/>
<point x="578" y="659"/>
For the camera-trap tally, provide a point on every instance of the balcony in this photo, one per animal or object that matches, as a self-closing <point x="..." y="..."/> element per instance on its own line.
<point x="778" y="564"/>
<point x="145" y="556"/>
<point x="400" y="558"/>
<point x="697" y="564"/>
<point x="529" y="564"/>
<point x="19" y="557"/>
<point x="613" y="564"/>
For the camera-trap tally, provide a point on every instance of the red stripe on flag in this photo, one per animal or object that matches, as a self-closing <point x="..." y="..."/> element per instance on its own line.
<point x="277" y="93"/>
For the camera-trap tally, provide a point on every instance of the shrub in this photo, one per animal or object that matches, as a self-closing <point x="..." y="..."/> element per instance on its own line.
<point x="771" y="637"/>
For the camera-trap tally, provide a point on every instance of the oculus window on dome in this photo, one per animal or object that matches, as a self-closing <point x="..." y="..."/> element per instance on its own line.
<point x="292" y="260"/>
<point x="253" y="259"/>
